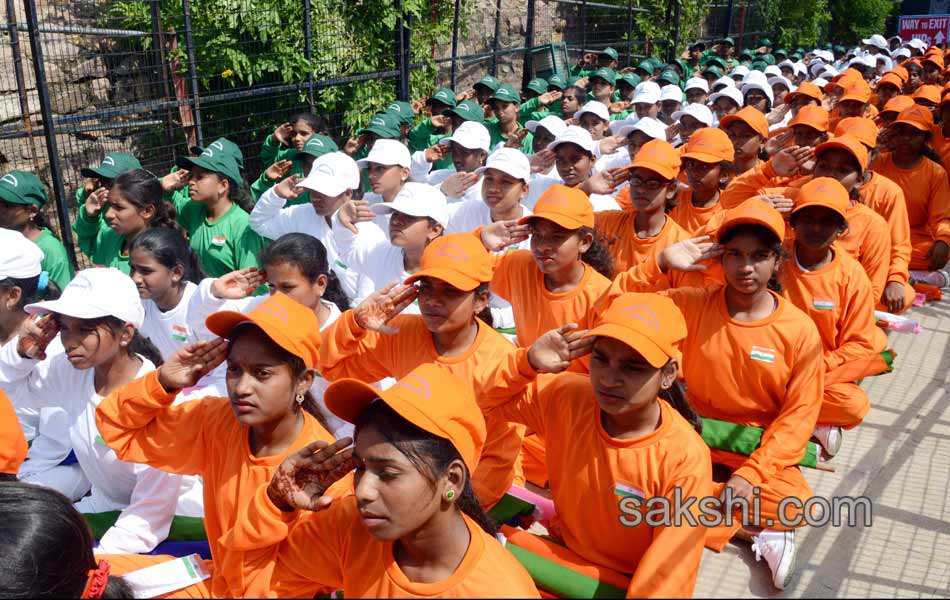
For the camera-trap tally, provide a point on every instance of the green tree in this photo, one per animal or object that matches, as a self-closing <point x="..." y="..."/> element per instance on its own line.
<point x="799" y="22"/>
<point x="652" y="25"/>
<point x="853" y="20"/>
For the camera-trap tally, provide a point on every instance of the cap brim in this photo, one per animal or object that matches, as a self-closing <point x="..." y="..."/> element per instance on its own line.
<point x="565" y="221"/>
<point x="727" y="225"/>
<point x="8" y="196"/>
<point x="646" y="347"/>
<point x="97" y="173"/>
<point x="78" y="311"/>
<point x="481" y="171"/>
<point x="388" y="208"/>
<point x="454" y="278"/>
<point x="914" y="124"/>
<point x="706" y="158"/>
<point x="348" y="398"/>
<point x="821" y="204"/>
<point x="222" y="324"/>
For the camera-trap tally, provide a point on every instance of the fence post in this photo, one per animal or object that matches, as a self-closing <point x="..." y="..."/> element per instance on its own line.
<point x="192" y="71"/>
<point x="629" y="32"/>
<point x="308" y="50"/>
<point x="455" y="42"/>
<point x="22" y="92"/>
<point x="158" y="44"/>
<point x="402" y="54"/>
<point x="728" y="20"/>
<point x="49" y="131"/>
<point x="676" y="30"/>
<point x="496" y="41"/>
<point x="583" y="28"/>
<point x="527" y="69"/>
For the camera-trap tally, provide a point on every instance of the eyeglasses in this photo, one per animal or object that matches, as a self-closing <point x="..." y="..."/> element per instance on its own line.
<point x="648" y="184"/>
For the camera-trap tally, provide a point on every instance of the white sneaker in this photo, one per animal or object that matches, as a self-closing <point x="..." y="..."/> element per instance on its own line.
<point x="829" y="436"/>
<point x="778" y="548"/>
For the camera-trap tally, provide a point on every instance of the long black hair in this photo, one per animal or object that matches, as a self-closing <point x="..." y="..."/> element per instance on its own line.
<point x="170" y="249"/>
<point x="309" y="255"/>
<point x="429" y="454"/>
<point x="30" y="289"/>
<point x="675" y="395"/>
<point x="767" y="238"/>
<point x="142" y="189"/>
<point x="597" y="255"/>
<point x="47" y="546"/>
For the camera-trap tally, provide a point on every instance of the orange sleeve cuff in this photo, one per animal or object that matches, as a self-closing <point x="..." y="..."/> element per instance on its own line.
<point x="155" y="391"/>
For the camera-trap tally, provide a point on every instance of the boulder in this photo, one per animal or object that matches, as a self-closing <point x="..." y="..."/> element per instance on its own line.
<point x="94" y="68"/>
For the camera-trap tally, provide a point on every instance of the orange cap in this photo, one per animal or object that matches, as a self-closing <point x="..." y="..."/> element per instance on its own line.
<point x="945" y="98"/>
<point x="650" y="324"/>
<point x="916" y="116"/>
<point x="946" y="86"/>
<point x="709" y="145"/>
<point x="289" y="324"/>
<point x="935" y="57"/>
<point x="750" y="116"/>
<point x="901" y="72"/>
<point x="861" y="128"/>
<point x="898" y="104"/>
<point x="812" y="116"/>
<point x="843" y="79"/>
<point x="858" y="90"/>
<point x="823" y="191"/>
<point x="658" y="156"/>
<point x="13" y="447"/>
<point x="890" y="79"/>
<point x="931" y="93"/>
<point x="429" y="397"/>
<point x="569" y="207"/>
<point x="753" y="212"/>
<point x="459" y="259"/>
<point x="849" y="144"/>
<point x="806" y="89"/>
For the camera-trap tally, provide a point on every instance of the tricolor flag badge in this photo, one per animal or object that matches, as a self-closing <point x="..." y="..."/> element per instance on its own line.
<point x="219" y="240"/>
<point x="179" y="333"/>
<point x="762" y="354"/>
<point x="823" y="304"/>
<point x="625" y="490"/>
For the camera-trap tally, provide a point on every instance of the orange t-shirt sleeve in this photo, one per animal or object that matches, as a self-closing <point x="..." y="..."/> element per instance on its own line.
<point x="857" y="329"/>
<point x="348" y="350"/>
<point x="751" y="183"/>
<point x="13" y="446"/>
<point x="939" y="210"/>
<point x="140" y="424"/>
<point x="512" y="394"/>
<point x="878" y="264"/>
<point x="784" y="440"/>
<point x="501" y="280"/>
<point x="899" y="225"/>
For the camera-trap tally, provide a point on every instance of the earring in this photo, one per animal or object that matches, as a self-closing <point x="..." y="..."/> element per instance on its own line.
<point x="450" y="494"/>
<point x="299" y="398"/>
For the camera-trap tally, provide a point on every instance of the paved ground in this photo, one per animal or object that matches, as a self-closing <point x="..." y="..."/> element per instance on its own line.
<point x="899" y="457"/>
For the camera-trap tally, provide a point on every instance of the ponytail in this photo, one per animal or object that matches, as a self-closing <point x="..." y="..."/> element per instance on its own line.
<point x="597" y="256"/>
<point x="675" y="395"/>
<point x="238" y="194"/>
<point x="485" y="314"/>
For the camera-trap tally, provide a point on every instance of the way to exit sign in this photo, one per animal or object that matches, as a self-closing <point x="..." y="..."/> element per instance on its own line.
<point x="932" y="29"/>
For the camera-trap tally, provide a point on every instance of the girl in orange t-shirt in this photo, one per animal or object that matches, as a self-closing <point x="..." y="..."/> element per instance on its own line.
<point x="234" y="443"/>
<point x="632" y="436"/>
<point x="412" y="527"/>
<point x="707" y="162"/>
<point x="373" y="341"/>
<point x="752" y="358"/>
<point x="832" y="288"/>
<point x="913" y="166"/>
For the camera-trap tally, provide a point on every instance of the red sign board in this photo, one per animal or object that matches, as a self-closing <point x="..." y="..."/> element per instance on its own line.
<point x="932" y="29"/>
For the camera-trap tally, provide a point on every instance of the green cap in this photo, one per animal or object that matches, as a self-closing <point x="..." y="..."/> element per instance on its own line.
<point x="506" y="93"/>
<point x="631" y="79"/>
<point x="758" y="65"/>
<point x="713" y="70"/>
<point x="443" y="95"/>
<point x="538" y="85"/>
<point x="780" y="52"/>
<point x="800" y="51"/>
<point x="840" y="50"/>
<point x="728" y="41"/>
<point x="715" y="61"/>
<point x="215" y="160"/>
<point x="468" y="110"/>
<point x="611" y="53"/>
<point x="827" y="46"/>
<point x="765" y="42"/>
<point x="767" y="59"/>
<point x="697" y="45"/>
<point x="113" y="165"/>
<point x="20" y="187"/>
<point x="385" y="125"/>
<point x="573" y="79"/>
<point x="646" y="65"/>
<point x="670" y="76"/>
<point x="605" y="73"/>
<point x="557" y="81"/>
<point x="746" y="54"/>
<point x="795" y="56"/>
<point x="402" y="111"/>
<point x="683" y="65"/>
<point x="316" y="146"/>
<point x="224" y="145"/>
<point x="489" y="82"/>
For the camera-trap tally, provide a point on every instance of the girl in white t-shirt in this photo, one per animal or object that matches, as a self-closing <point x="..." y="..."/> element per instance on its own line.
<point x="98" y="317"/>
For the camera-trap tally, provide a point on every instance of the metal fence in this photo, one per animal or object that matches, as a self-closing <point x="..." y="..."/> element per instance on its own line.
<point x="80" y="78"/>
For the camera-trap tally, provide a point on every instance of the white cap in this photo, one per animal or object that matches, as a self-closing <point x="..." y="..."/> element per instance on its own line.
<point x="553" y="123"/>
<point x="801" y="69"/>
<point x="877" y="40"/>
<point x="95" y="293"/>
<point x="647" y="92"/>
<point x="386" y="152"/>
<point x="471" y="135"/>
<point x="616" y="126"/>
<point x="825" y="55"/>
<point x="820" y="82"/>
<point x="725" y="80"/>
<point x="417" y="200"/>
<point x="754" y="77"/>
<point x="574" y="135"/>
<point x="773" y="70"/>
<point x="783" y="80"/>
<point x="648" y="125"/>
<point x="332" y="174"/>
<point x="863" y="61"/>
<point x="765" y="87"/>
<point x="509" y="160"/>
<point x="21" y="258"/>
<point x="740" y="71"/>
<point x="901" y="52"/>
<point x="918" y="43"/>
<point x="817" y="68"/>
<point x="888" y="62"/>
<point x="729" y="92"/>
<point x="785" y="63"/>
<point x="671" y="92"/>
<point x="700" y="112"/>
<point x="595" y="108"/>
<point x="697" y="83"/>
<point x="829" y="72"/>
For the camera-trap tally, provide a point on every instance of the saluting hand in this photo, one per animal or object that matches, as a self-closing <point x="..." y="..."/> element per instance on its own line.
<point x="554" y="351"/>
<point x="687" y="254"/>
<point x="380" y="307"/>
<point x="192" y="362"/>
<point x="278" y="170"/>
<point x="353" y="212"/>
<point x="304" y="477"/>
<point x="502" y="234"/>
<point x="238" y="284"/>
<point x="35" y="336"/>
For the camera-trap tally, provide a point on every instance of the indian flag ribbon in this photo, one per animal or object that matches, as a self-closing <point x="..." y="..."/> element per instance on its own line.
<point x="823" y="304"/>
<point x="625" y="490"/>
<point x="219" y="240"/>
<point x="179" y="333"/>
<point x="762" y="354"/>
